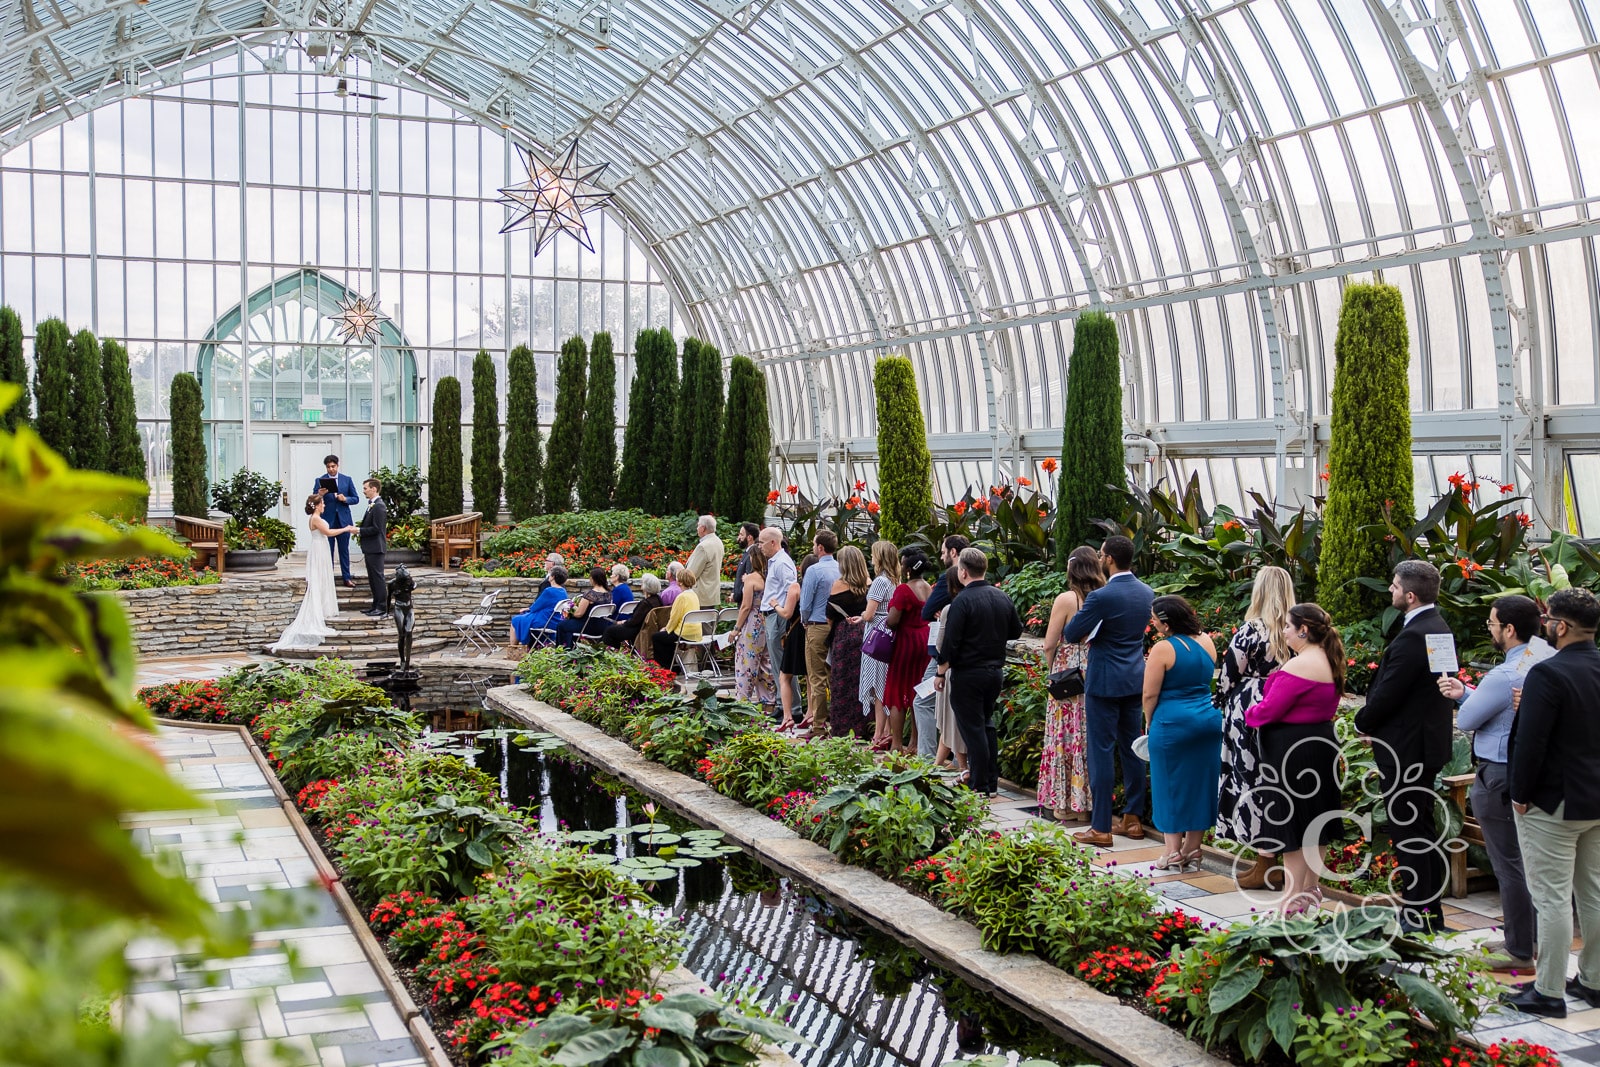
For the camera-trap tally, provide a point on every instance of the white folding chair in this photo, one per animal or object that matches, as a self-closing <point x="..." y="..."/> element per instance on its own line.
<point x="625" y="609"/>
<point x="706" y="618"/>
<point x="474" y="627"/>
<point x="599" y="611"/>
<point x="727" y="619"/>
<point x="545" y="636"/>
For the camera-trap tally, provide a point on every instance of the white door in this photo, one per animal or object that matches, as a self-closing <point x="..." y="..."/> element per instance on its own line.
<point x="302" y="460"/>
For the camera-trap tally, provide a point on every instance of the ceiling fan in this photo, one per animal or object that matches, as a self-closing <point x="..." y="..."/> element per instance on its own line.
<point x="341" y="88"/>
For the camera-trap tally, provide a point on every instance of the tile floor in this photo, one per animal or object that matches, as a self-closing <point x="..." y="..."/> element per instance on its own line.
<point x="1209" y="895"/>
<point x="307" y="988"/>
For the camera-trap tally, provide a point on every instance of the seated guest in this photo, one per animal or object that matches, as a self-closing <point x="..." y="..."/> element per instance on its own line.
<point x="673" y="588"/>
<point x="621" y="591"/>
<point x="665" y="642"/>
<point x="551" y="562"/>
<point x="577" y="620"/>
<point x="537" y="617"/>
<point x="625" y="632"/>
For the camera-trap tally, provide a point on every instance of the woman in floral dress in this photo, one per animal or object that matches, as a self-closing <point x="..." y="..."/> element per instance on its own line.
<point x="1063" y="764"/>
<point x="1255" y="651"/>
<point x="752" y="664"/>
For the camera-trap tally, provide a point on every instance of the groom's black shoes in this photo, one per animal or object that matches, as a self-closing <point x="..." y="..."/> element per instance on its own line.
<point x="374" y="613"/>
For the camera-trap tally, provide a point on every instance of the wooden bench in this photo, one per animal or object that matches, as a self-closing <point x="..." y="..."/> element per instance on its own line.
<point x="1462" y="875"/>
<point x="453" y="535"/>
<point x="204" y="537"/>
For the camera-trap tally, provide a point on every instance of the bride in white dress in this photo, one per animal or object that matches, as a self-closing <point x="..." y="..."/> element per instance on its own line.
<point x="321" y="603"/>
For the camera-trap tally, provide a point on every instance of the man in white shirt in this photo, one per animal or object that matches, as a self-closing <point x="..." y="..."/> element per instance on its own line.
<point x="780" y="575"/>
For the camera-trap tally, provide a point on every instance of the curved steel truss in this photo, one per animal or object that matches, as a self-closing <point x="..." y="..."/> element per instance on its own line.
<point x="827" y="180"/>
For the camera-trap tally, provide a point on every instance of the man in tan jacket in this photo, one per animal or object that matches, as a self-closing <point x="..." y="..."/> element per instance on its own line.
<point x="705" y="564"/>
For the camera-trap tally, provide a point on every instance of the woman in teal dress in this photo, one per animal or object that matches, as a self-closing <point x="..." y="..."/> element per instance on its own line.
<point x="1185" y="732"/>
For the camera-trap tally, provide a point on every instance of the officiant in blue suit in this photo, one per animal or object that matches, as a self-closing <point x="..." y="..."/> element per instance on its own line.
<point x="336" y="513"/>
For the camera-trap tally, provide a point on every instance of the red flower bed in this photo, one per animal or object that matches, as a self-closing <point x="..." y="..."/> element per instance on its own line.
<point x="196" y="701"/>
<point x="1118" y="970"/>
<point x="310" y="798"/>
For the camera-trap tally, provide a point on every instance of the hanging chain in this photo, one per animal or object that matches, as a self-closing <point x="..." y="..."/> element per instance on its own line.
<point x="358" y="192"/>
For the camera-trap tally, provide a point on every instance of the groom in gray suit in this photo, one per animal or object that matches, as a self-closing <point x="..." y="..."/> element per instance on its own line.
<point x="374" y="543"/>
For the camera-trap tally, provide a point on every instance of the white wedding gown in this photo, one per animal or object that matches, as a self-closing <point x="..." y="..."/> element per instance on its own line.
<point x="321" y="603"/>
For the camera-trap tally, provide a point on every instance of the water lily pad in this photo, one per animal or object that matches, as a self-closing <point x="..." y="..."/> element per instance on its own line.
<point x="647" y="828"/>
<point x="641" y="863"/>
<point x="683" y="861"/>
<point x="588" y="837"/>
<point x="660" y="838"/>
<point x="704" y="835"/>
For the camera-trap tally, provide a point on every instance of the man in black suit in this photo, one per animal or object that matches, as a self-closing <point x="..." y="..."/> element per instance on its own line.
<point x="1555" y="793"/>
<point x="374" y="539"/>
<point x="1410" y="722"/>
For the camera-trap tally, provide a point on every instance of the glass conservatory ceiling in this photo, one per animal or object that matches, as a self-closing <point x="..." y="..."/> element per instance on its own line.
<point x="956" y="179"/>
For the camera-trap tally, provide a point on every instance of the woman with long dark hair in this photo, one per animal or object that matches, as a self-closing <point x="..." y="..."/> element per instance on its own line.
<point x="1063" y="764"/>
<point x="1185" y="731"/>
<point x="1295" y="719"/>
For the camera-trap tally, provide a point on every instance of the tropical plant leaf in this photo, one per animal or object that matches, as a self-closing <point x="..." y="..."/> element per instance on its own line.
<point x="672" y="1020"/>
<point x="659" y="1056"/>
<point x="1232" y="988"/>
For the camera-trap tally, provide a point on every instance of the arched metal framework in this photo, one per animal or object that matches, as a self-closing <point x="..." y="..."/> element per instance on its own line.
<point x="830" y="180"/>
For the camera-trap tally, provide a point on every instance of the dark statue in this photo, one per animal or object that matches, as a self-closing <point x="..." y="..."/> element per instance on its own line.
<point x="400" y="588"/>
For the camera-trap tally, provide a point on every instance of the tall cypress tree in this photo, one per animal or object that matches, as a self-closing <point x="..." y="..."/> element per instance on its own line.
<point x="744" y="459"/>
<point x="13" y="367"/>
<point x="904" y="464"/>
<point x="683" y="425"/>
<point x="524" y="465"/>
<point x="88" y="403"/>
<point x="124" y="450"/>
<point x="52" y="386"/>
<point x="189" y="490"/>
<point x="706" y="431"/>
<point x="1369" y="451"/>
<point x="444" y="451"/>
<point x="661" y="453"/>
<point x="566" y="432"/>
<point x="597" y="479"/>
<point x="1091" y="440"/>
<point x="486" y="474"/>
<point x="633" y="484"/>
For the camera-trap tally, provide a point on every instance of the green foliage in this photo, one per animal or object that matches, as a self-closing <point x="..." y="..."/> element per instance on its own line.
<point x="486" y="475"/>
<point x="677" y="729"/>
<point x="88" y="405"/>
<point x="754" y="770"/>
<point x="52" y="387"/>
<point x="247" y="496"/>
<point x="888" y="816"/>
<point x="1092" y="470"/>
<point x="597" y="479"/>
<point x="681" y="1030"/>
<point x="683" y="450"/>
<point x="66" y="776"/>
<point x="744" y="464"/>
<point x="1245" y="985"/>
<point x="264" y="533"/>
<point x="124" y="451"/>
<point x="524" y="448"/>
<point x="1369" y="456"/>
<point x="1033" y="589"/>
<point x="633" y="482"/>
<point x="1351" y="1037"/>
<point x="565" y="448"/>
<point x="661" y="451"/>
<point x="400" y="489"/>
<point x="705" y="431"/>
<point x="906" y="468"/>
<point x="13" y="367"/>
<point x="188" y="447"/>
<point x="444" y="451"/>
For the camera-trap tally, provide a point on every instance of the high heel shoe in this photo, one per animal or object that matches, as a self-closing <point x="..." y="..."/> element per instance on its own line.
<point x="1189" y="862"/>
<point x="882" y="744"/>
<point x="1169" y="861"/>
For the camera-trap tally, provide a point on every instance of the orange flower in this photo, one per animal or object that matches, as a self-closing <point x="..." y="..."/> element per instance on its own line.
<point x="853" y="502"/>
<point x="1049" y="466"/>
<point x="872" y="507"/>
<point x="791" y="489"/>
<point x="1508" y="488"/>
<point x="1457" y="479"/>
<point x="860" y="486"/>
<point x="1024" y="481"/>
<point x="772" y="497"/>
<point x="980" y="505"/>
<point x="959" y="507"/>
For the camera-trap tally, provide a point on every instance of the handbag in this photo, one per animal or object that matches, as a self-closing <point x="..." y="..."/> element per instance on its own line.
<point x="1064" y="685"/>
<point x="879" y="643"/>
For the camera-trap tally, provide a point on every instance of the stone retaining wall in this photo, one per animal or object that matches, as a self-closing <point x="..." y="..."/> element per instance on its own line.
<point x="246" y="614"/>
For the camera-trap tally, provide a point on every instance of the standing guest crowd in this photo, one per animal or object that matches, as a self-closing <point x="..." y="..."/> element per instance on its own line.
<point x="907" y="653"/>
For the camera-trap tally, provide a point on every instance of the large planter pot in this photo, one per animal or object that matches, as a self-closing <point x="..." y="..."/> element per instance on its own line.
<point x="251" y="559"/>
<point x="398" y="556"/>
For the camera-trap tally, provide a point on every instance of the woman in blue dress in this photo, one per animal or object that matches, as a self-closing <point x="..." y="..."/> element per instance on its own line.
<point x="1185" y="732"/>
<point x="537" y="617"/>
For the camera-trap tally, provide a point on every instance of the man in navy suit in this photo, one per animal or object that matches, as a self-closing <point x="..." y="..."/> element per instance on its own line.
<point x="1113" y="620"/>
<point x="336" y="513"/>
<point x="1413" y="720"/>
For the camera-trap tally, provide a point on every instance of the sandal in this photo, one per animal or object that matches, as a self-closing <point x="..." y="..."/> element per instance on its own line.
<point x="1189" y="861"/>
<point x="882" y="744"/>
<point x="1170" y="861"/>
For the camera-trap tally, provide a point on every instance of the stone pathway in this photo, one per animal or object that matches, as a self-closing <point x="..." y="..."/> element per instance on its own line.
<point x="309" y="989"/>
<point x="1211" y="895"/>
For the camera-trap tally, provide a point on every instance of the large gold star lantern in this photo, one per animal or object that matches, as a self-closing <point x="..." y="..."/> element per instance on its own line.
<point x="553" y="200"/>
<point x="358" y="318"/>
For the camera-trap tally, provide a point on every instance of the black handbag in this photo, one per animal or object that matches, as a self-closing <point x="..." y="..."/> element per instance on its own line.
<point x="1064" y="685"/>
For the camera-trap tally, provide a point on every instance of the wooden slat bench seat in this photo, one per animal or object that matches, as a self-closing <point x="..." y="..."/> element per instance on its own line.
<point x="1461" y="875"/>
<point x="453" y="535"/>
<point x="204" y="536"/>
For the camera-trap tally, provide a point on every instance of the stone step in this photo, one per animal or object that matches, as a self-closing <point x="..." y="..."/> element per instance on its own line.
<point x="361" y="651"/>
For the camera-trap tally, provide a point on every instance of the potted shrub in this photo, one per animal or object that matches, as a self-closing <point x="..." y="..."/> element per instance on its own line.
<point x="401" y="489"/>
<point x="253" y="541"/>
